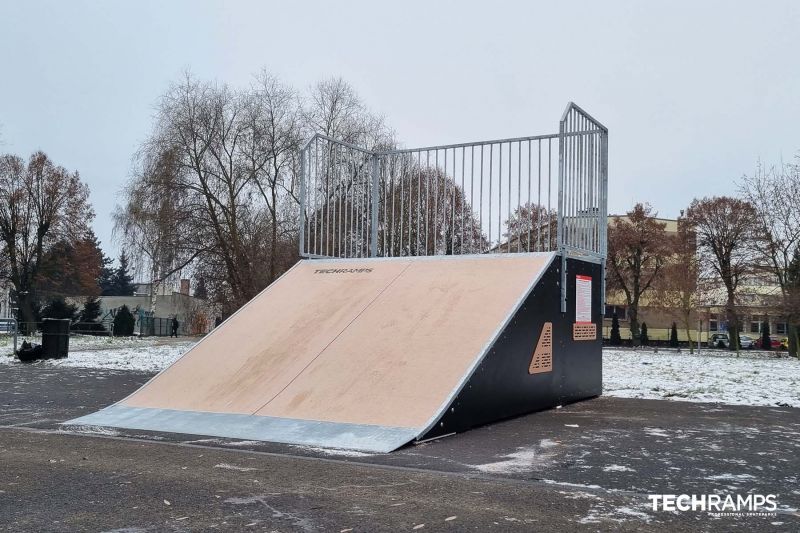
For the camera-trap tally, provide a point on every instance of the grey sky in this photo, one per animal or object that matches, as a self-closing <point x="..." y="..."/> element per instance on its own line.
<point x="693" y="93"/>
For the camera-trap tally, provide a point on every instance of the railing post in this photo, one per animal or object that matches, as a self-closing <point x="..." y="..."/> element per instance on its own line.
<point x="302" y="202"/>
<point x="603" y="214"/>
<point x="560" y="230"/>
<point x="374" y="208"/>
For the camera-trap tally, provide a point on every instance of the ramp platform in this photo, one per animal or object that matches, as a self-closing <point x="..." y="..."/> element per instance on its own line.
<point x="371" y="354"/>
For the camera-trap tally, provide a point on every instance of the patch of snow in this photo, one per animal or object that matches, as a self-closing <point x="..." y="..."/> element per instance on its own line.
<point x="151" y="354"/>
<point x="226" y="466"/>
<point x="730" y="477"/>
<point x="617" y="514"/>
<point x="337" y="452"/>
<point x="707" y="376"/>
<point x="523" y="460"/>
<point x="617" y="468"/>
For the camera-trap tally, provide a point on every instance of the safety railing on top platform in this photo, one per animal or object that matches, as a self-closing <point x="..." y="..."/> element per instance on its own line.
<point x="500" y="196"/>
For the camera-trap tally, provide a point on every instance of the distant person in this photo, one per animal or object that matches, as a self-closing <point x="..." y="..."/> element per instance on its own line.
<point x="217" y="321"/>
<point x="174" y="327"/>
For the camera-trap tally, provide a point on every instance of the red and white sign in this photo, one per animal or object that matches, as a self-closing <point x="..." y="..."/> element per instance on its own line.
<point x="583" y="299"/>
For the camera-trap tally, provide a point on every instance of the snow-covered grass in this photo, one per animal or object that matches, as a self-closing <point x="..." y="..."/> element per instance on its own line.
<point x="709" y="376"/>
<point x="148" y="354"/>
<point x="755" y="378"/>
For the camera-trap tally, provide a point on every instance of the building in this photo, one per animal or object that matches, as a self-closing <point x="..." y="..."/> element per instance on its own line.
<point x="195" y="316"/>
<point x="5" y="300"/>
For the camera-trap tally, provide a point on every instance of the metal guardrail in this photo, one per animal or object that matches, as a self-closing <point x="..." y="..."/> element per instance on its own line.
<point x="7" y="324"/>
<point x="489" y="196"/>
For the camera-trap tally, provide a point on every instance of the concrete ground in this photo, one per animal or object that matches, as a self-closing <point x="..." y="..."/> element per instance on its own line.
<point x="585" y="467"/>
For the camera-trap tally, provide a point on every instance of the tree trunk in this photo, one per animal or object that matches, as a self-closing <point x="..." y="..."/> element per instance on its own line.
<point x="28" y="326"/>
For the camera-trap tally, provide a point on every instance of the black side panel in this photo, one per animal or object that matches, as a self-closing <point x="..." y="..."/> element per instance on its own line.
<point x="501" y="386"/>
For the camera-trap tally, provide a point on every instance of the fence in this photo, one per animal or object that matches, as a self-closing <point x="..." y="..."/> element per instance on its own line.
<point x="102" y="328"/>
<point x="8" y="326"/>
<point x="491" y="196"/>
<point x="157" y="327"/>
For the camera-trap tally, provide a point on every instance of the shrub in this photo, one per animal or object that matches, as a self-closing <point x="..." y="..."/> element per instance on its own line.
<point x="124" y="322"/>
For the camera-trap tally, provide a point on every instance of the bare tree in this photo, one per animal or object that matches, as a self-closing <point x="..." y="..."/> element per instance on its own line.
<point x="725" y="229"/>
<point x="40" y="204"/>
<point x="532" y="228"/>
<point x="637" y="252"/>
<point x="215" y="186"/>
<point x="425" y="212"/>
<point x="273" y="136"/>
<point x="679" y="288"/>
<point x="777" y="235"/>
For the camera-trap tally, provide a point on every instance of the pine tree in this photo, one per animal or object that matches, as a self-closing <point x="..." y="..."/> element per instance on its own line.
<point x="122" y="281"/>
<point x="644" y="337"/>
<point x="91" y="310"/>
<point x="106" y="278"/>
<point x="673" y="336"/>
<point x="615" y="339"/>
<point x="88" y="322"/>
<point x="124" y="322"/>
<point x="766" y="341"/>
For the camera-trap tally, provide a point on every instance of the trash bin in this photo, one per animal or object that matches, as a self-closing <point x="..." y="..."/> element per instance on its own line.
<point x="55" y="338"/>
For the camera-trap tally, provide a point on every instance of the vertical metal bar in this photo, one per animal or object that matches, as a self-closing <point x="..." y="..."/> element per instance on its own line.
<point x="436" y="206"/>
<point x="550" y="195"/>
<point x="318" y="226"/>
<point x="539" y="207"/>
<point x="519" y="193"/>
<point x="561" y="206"/>
<point x="500" y="195"/>
<point x="327" y="199"/>
<point x="393" y="192"/>
<point x="472" y="199"/>
<point x="530" y="207"/>
<point x="427" y="197"/>
<point x="402" y="202"/>
<point x="336" y="209"/>
<point x="491" y="169"/>
<point x="373" y="245"/>
<point x="463" y="197"/>
<point x="419" y="199"/>
<point x="480" y="210"/>
<point x="410" y="161"/>
<point x="444" y="203"/>
<point x="302" y="202"/>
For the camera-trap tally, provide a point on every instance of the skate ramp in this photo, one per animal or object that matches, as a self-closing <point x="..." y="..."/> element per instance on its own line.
<point x="362" y="354"/>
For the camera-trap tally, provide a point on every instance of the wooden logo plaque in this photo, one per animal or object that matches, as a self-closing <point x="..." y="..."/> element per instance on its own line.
<point x="542" y="360"/>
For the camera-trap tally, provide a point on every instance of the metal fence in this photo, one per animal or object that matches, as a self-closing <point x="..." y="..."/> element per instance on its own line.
<point x="148" y="326"/>
<point x="539" y="193"/>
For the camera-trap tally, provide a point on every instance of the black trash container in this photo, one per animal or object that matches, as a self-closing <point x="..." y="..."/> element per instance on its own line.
<point x="55" y="338"/>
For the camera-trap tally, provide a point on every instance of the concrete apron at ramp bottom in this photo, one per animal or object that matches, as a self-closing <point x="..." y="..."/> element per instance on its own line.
<point x="361" y="354"/>
<point x="360" y="437"/>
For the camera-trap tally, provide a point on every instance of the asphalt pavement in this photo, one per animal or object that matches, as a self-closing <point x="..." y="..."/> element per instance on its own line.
<point x="585" y="467"/>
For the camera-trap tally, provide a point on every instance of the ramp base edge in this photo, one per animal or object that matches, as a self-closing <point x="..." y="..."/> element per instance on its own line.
<point x="361" y="437"/>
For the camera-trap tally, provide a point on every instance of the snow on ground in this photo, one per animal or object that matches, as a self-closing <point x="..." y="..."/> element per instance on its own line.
<point x="755" y="378"/>
<point x="150" y="354"/>
<point x="710" y="376"/>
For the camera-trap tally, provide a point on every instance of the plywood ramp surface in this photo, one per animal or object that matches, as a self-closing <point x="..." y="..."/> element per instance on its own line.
<point x="250" y="358"/>
<point x="367" y="342"/>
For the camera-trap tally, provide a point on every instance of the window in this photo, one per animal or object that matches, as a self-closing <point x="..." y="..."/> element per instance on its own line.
<point x="619" y="309"/>
<point x="755" y="327"/>
<point x="713" y="325"/>
<point x="780" y="328"/>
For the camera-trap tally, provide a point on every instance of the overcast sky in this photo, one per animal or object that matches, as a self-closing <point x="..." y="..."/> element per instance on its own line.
<point x="693" y="93"/>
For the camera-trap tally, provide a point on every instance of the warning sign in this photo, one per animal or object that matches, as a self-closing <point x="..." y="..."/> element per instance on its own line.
<point x="583" y="299"/>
